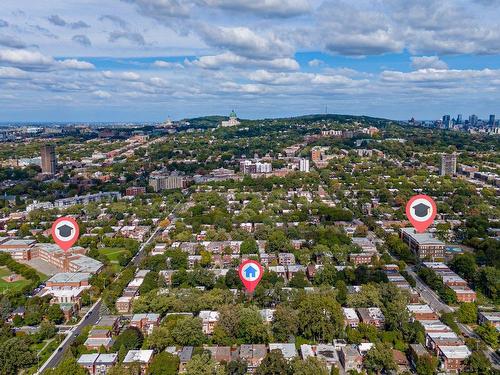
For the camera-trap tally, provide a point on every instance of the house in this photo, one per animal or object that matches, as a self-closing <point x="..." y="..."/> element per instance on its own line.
<point x="19" y="311"/>
<point x="372" y="315"/>
<point x="361" y="258"/>
<point x="167" y="276"/>
<point x="145" y="322"/>
<point x="288" y="350"/>
<point x="434" y="340"/>
<point x="417" y="351"/>
<point x="489" y="317"/>
<point x="95" y="343"/>
<point x="208" y="320"/>
<point x="350" y="358"/>
<point x="123" y="304"/>
<point x="98" y="364"/>
<point x="185" y="356"/>
<point x="327" y="354"/>
<point x="110" y="322"/>
<point x="350" y="317"/>
<point x="286" y="259"/>
<point x="453" y="358"/>
<point x="464" y="293"/>
<point x="142" y="357"/>
<point x="220" y="353"/>
<point x="422" y="312"/>
<point x="400" y="360"/>
<point x="252" y="354"/>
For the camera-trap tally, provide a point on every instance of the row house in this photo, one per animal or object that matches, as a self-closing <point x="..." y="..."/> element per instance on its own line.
<point x="453" y="358"/>
<point x="351" y="358"/>
<point x="98" y="364"/>
<point x="351" y="319"/>
<point x="145" y="322"/>
<point x="434" y="340"/>
<point x="253" y="355"/>
<point x="372" y="315"/>
<point x="326" y="353"/>
<point x="141" y="357"/>
<point x="421" y="312"/>
<point x="492" y="318"/>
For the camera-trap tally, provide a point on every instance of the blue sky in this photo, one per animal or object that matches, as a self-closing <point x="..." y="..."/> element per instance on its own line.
<point x="146" y="60"/>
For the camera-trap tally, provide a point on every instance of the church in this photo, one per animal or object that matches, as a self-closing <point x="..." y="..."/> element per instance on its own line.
<point x="233" y="120"/>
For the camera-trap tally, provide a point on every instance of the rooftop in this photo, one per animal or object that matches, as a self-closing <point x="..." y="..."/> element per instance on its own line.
<point x="422" y="238"/>
<point x="143" y="356"/>
<point x="69" y="277"/>
<point x="455" y="352"/>
<point x="288" y="350"/>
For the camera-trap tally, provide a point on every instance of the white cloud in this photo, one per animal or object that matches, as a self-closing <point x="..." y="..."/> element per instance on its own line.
<point x="76" y="64"/>
<point x="245" y="42"/>
<point x="125" y="76"/>
<point x="25" y="58"/>
<point x="101" y="94"/>
<point x="167" y="64"/>
<point x="231" y="59"/>
<point x="424" y="62"/>
<point x="315" y="63"/>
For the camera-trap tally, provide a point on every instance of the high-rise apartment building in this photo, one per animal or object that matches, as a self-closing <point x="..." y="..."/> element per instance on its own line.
<point x="49" y="161"/>
<point x="448" y="164"/>
<point x="304" y="165"/>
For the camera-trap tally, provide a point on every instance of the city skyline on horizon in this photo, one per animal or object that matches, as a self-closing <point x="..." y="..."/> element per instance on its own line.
<point x="146" y="60"/>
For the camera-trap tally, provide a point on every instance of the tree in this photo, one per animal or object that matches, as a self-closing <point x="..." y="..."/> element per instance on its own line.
<point x="467" y="313"/>
<point x="188" y="331"/>
<point x="426" y="365"/>
<point x="47" y="330"/>
<point x="379" y="358"/>
<point x="274" y="364"/>
<point x="164" y="364"/>
<point x="131" y="338"/>
<point x="311" y="366"/>
<point x="159" y="339"/>
<point x="369" y="296"/>
<point x="478" y="363"/>
<point x="320" y="317"/>
<point x="489" y="334"/>
<point x="278" y="242"/>
<point x="464" y="265"/>
<point x="239" y="323"/>
<point x="206" y="258"/>
<point x="299" y="280"/>
<point x="15" y="354"/>
<point x="55" y="314"/>
<point x="285" y="323"/>
<point x="341" y="288"/>
<point x="237" y="367"/>
<point x="150" y="282"/>
<point x="202" y="364"/>
<point x="68" y="366"/>
<point x="249" y="246"/>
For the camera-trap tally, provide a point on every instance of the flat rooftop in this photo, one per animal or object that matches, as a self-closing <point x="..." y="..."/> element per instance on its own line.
<point x="422" y="238"/>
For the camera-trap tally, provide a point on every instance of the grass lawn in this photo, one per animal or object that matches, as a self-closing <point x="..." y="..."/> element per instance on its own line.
<point x="16" y="285"/>
<point x="112" y="253"/>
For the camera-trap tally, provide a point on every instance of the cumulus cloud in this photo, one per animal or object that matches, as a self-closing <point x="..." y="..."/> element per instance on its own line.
<point x="133" y="37"/>
<point x="76" y="64"/>
<point x="82" y="40"/>
<point x="58" y="21"/>
<point x="25" y="58"/>
<point x="245" y="42"/>
<point x="265" y="8"/>
<point x="424" y="62"/>
<point x="126" y="76"/>
<point x="231" y="59"/>
<point x="167" y="64"/>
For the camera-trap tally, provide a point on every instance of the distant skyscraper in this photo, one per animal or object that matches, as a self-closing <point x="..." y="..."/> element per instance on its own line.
<point x="49" y="161"/>
<point x="459" y="119"/>
<point x="492" y="120"/>
<point x="473" y="120"/>
<point x="448" y="164"/>
<point x="446" y="121"/>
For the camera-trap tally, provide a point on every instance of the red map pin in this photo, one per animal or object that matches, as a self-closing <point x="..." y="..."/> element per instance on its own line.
<point x="250" y="274"/>
<point x="65" y="232"/>
<point x="421" y="211"/>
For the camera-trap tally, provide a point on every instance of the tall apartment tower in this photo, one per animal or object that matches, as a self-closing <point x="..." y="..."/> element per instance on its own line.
<point x="448" y="164"/>
<point x="49" y="161"/>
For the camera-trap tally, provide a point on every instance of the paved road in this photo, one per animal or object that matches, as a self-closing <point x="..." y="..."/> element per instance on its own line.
<point x="89" y="319"/>
<point x="429" y="295"/>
